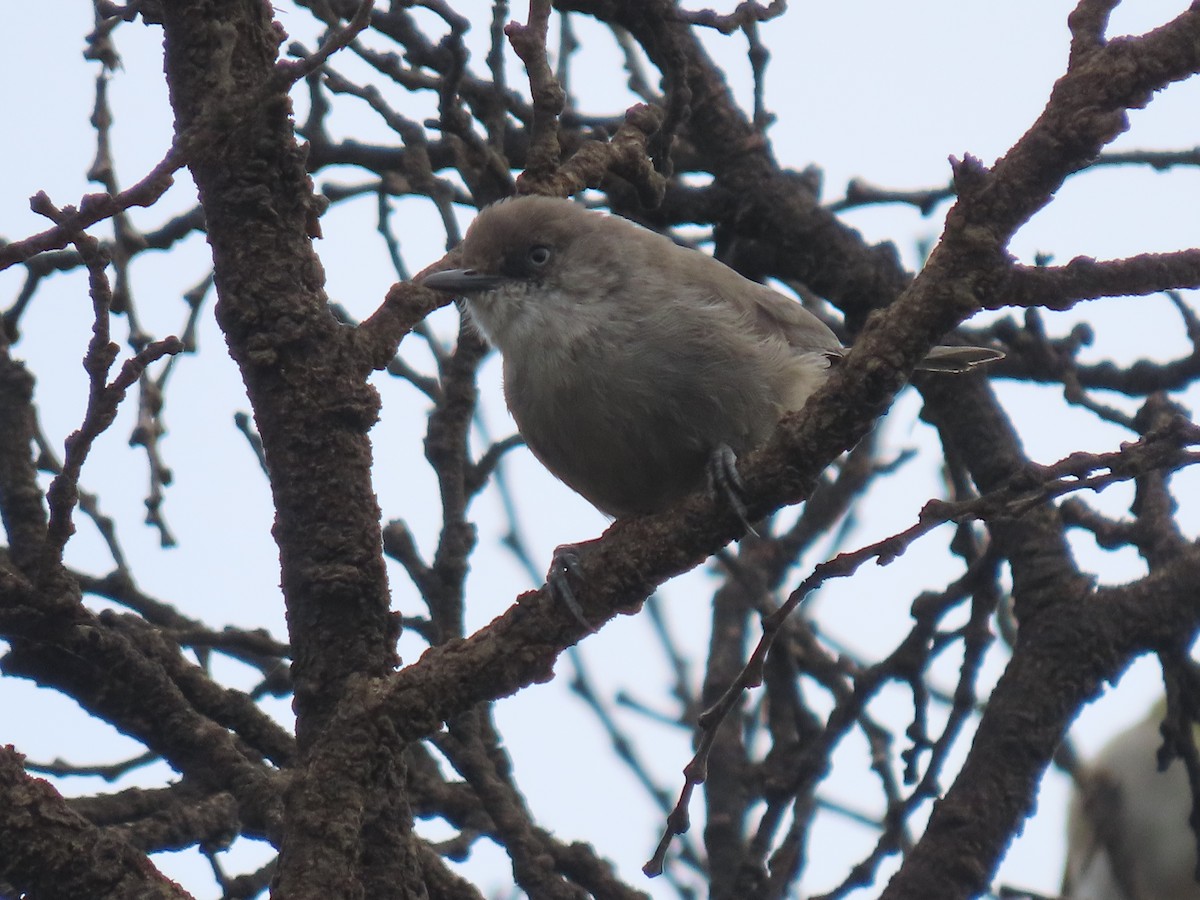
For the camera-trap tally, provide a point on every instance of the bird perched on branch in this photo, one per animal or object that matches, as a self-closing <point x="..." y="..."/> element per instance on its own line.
<point x="633" y="366"/>
<point x="1128" y="836"/>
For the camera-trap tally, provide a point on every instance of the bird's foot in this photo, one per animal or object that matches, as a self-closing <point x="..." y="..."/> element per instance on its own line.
<point x="565" y="566"/>
<point x="724" y="481"/>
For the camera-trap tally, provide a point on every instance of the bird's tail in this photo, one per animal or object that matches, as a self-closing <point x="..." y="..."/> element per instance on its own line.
<point x="957" y="359"/>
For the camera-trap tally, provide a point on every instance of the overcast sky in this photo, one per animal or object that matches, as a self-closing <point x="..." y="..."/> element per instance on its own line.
<point x="880" y="91"/>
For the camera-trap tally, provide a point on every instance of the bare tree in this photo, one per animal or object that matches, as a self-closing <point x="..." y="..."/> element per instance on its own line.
<point x="382" y="748"/>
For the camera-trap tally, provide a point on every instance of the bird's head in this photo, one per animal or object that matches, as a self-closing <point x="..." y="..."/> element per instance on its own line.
<point x="529" y="258"/>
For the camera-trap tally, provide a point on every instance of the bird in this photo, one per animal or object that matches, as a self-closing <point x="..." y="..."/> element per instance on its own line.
<point x="637" y="369"/>
<point x="1128" y="836"/>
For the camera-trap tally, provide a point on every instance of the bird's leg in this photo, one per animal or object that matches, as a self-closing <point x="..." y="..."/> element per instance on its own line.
<point x="565" y="565"/>
<point x="724" y="481"/>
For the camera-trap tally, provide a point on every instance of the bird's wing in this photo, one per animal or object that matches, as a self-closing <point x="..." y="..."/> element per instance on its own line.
<point x="769" y="313"/>
<point x="800" y="328"/>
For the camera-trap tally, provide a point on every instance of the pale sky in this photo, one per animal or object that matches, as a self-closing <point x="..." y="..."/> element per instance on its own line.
<point x="880" y="91"/>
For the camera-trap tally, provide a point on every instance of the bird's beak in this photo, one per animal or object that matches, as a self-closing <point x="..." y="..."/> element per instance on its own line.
<point x="462" y="281"/>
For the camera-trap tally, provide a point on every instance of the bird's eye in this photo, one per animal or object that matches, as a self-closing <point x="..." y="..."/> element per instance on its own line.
<point x="539" y="255"/>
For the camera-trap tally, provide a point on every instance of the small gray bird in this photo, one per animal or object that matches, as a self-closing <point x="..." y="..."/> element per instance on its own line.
<point x="1127" y="834"/>
<point x="634" y="366"/>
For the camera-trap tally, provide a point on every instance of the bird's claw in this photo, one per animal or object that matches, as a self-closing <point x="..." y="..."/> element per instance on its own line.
<point x="725" y="481"/>
<point x="565" y="564"/>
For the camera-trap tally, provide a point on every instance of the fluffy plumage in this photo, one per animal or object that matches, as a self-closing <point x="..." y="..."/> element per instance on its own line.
<point x="629" y="360"/>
